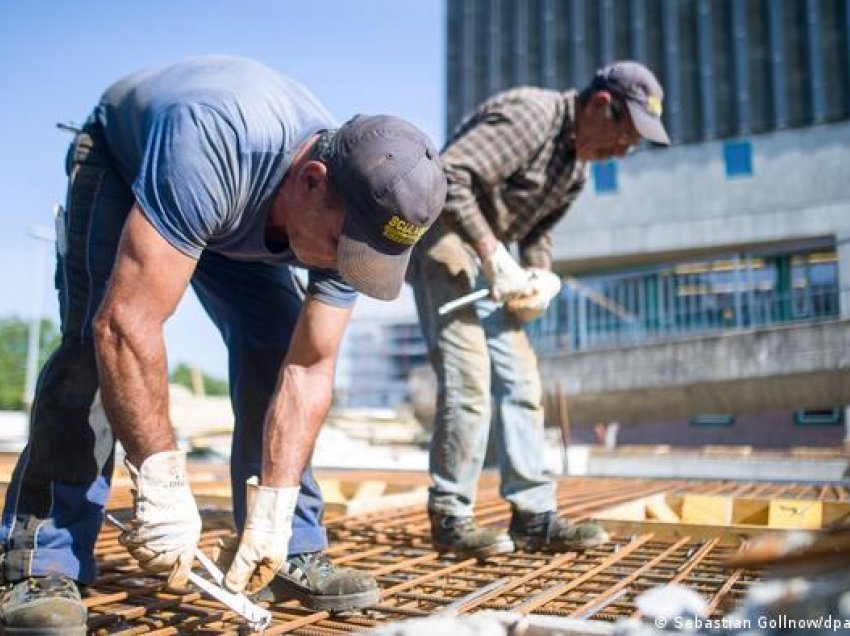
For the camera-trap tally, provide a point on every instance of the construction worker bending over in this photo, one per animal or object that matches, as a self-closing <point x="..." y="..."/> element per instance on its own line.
<point x="220" y="173"/>
<point x="514" y="167"/>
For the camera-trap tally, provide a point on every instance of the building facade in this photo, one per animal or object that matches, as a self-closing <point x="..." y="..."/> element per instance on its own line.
<point x="740" y="229"/>
<point x="730" y="68"/>
<point x="378" y="357"/>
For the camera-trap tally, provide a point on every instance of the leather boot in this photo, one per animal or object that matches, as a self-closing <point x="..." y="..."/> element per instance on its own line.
<point x="43" y="605"/>
<point x="462" y="537"/>
<point x="317" y="583"/>
<point x="547" y="531"/>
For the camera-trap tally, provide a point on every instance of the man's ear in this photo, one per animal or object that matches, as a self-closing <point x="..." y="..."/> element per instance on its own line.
<point x="314" y="178"/>
<point x="600" y="101"/>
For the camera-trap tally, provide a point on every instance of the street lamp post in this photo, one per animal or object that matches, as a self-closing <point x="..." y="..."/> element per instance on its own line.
<point x="44" y="237"/>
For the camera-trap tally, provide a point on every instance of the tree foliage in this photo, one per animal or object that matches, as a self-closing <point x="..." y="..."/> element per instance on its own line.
<point x="14" y="339"/>
<point x="182" y="375"/>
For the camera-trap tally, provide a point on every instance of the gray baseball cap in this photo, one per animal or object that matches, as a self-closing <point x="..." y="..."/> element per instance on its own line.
<point x="391" y="181"/>
<point x="636" y="85"/>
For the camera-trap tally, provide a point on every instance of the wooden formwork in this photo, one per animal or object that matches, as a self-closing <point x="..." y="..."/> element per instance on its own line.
<point x="394" y="546"/>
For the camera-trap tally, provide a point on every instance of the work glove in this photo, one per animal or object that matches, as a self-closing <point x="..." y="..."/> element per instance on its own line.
<point x="505" y="277"/>
<point x="543" y="287"/>
<point x="262" y="548"/>
<point x="166" y="526"/>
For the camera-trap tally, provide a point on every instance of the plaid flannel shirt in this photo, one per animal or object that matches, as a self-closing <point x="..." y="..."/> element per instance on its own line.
<point x="512" y="170"/>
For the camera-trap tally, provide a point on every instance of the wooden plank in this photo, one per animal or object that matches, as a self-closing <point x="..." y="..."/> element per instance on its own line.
<point x="657" y="508"/>
<point x="799" y="514"/>
<point x="725" y="535"/>
<point x="750" y="511"/>
<point x="835" y="512"/>
<point x="707" y="509"/>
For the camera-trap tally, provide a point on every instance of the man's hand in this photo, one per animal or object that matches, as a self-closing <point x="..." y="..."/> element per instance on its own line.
<point x="505" y="277"/>
<point x="166" y="525"/>
<point x="265" y="539"/>
<point x="543" y="287"/>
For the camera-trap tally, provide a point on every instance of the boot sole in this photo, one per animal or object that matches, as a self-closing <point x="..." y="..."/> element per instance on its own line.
<point x="285" y="590"/>
<point x="44" y="631"/>
<point x="503" y="547"/>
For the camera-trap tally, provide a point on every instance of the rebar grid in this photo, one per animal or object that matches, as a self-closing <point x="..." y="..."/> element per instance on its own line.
<point x="394" y="546"/>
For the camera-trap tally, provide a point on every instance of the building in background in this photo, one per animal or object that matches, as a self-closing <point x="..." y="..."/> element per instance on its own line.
<point x="378" y="357"/>
<point x="708" y="283"/>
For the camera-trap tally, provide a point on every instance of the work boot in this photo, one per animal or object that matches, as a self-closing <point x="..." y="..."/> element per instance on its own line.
<point x="460" y="536"/>
<point x="547" y="531"/>
<point x="43" y="605"/>
<point x="317" y="583"/>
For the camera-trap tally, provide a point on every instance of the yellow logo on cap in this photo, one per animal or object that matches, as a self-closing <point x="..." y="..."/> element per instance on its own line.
<point x="403" y="232"/>
<point x="653" y="105"/>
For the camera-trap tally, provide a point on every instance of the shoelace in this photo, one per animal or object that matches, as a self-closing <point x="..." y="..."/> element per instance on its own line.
<point x="540" y="524"/>
<point x="37" y="585"/>
<point x="318" y="560"/>
<point x="457" y="523"/>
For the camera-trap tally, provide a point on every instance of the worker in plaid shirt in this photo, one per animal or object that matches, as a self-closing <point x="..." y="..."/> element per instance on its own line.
<point x="513" y="167"/>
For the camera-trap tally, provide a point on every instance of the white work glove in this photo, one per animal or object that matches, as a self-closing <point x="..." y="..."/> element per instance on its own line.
<point x="265" y="539"/>
<point x="504" y="275"/>
<point x="166" y="526"/>
<point x="543" y="287"/>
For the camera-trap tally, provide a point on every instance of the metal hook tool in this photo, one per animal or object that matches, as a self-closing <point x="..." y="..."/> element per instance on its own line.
<point x="258" y="618"/>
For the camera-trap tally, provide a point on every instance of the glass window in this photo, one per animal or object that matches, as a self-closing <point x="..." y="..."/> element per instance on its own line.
<point x="604" y="176"/>
<point x="821" y="417"/>
<point x="760" y="63"/>
<point x="814" y="285"/>
<point x="724" y="87"/>
<point x="692" y="116"/>
<point x="732" y="291"/>
<point x="622" y="29"/>
<point x="738" y="157"/>
<point x="508" y="36"/>
<point x="714" y="419"/>
<point x="593" y="57"/>
<point x="481" y="66"/>
<point x="796" y="63"/>
<point x="835" y="49"/>
<point x="534" y="42"/>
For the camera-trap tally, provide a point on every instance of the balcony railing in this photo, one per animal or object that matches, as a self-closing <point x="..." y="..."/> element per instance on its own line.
<point x="584" y="319"/>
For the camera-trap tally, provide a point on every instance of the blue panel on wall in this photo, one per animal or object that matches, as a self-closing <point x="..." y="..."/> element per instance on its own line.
<point x="604" y="176"/>
<point x="738" y="156"/>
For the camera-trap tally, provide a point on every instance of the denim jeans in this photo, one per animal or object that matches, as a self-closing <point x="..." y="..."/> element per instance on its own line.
<point x="486" y="371"/>
<point x="55" y="501"/>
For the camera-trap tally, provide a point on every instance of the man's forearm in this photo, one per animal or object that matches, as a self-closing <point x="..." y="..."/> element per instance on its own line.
<point x="485" y="246"/>
<point x="134" y="388"/>
<point x="296" y="413"/>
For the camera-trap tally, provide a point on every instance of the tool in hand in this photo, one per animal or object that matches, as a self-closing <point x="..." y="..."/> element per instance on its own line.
<point x="592" y="295"/>
<point x="258" y="618"/>
<point x="463" y="301"/>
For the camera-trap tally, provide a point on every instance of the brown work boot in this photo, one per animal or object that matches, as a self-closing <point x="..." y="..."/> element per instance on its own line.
<point x="462" y="537"/>
<point x="547" y="531"/>
<point x="317" y="583"/>
<point x="43" y="605"/>
<point x="312" y="579"/>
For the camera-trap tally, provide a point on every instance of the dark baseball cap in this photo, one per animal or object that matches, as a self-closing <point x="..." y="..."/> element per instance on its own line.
<point x="390" y="179"/>
<point x="636" y="85"/>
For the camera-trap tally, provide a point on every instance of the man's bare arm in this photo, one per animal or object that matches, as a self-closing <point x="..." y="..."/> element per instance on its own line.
<point x="303" y="394"/>
<point x="147" y="282"/>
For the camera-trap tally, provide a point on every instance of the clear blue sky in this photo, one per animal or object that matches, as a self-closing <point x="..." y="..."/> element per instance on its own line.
<point x="57" y="57"/>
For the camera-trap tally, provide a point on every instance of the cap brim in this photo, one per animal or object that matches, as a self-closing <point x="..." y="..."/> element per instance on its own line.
<point x="649" y="126"/>
<point x="367" y="269"/>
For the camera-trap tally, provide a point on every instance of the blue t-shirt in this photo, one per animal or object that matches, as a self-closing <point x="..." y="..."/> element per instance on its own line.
<point x="205" y="143"/>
